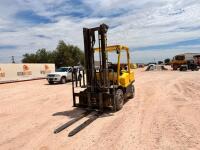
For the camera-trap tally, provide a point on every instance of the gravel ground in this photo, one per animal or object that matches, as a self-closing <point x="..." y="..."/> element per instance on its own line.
<point x="164" y="114"/>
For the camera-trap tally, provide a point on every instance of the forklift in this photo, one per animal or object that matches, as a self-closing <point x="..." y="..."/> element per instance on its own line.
<point x="106" y="85"/>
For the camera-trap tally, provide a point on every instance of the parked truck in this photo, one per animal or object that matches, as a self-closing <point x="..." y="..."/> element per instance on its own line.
<point x="64" y="74"/>
<point x="183" y="60"/>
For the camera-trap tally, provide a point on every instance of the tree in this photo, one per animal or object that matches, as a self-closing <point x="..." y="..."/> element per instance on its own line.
<point x="64" y="55"/>
<point x="167" y="61"/>
<point x="41" y="56"/>
<point x="68" y="55"/>
<point x="29" y="58"/>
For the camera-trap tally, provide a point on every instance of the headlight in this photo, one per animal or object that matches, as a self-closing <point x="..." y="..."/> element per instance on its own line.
<point x="57" y="75"/>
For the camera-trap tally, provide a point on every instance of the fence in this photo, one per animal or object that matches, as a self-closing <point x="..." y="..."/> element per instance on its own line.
<point x="21" y="72"/>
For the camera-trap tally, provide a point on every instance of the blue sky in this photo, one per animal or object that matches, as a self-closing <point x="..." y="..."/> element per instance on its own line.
<point x="152" y="29"/>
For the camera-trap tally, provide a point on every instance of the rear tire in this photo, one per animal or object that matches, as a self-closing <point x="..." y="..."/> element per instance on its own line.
<point x="183" y="69"/>
<point x="63" y="80"/>
<point x="119" y="99"/>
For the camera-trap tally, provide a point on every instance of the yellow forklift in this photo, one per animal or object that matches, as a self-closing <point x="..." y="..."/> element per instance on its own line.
<point x="106" y="85"/>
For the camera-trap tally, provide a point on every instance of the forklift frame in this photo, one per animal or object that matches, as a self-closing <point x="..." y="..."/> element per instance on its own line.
<point x="100" y="92"/>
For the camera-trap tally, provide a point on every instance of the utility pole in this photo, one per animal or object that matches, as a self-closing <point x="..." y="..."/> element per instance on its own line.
<point x="13" y="59"/>
<point x="154" y="60"/>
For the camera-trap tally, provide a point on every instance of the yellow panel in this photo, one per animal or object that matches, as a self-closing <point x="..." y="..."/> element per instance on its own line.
<point x="114" y="48"/>
<point x="125" y="79"/>
<point x="132" y="76"/>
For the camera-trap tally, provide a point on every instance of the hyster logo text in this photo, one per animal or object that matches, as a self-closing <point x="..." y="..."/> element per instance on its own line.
<point x="25" y="71"/>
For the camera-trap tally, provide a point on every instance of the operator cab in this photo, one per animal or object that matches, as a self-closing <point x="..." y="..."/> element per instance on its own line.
<point x="118" y="62"/>
<point x="179" y="57"/>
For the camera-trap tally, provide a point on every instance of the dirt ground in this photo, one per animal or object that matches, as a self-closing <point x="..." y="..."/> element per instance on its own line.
<point x="165" y="114"/>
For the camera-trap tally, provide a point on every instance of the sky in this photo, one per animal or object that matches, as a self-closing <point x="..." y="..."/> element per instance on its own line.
<point x="152" y="29"/>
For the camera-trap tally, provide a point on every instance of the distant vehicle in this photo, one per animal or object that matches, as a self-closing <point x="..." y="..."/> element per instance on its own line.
<point x="153" y="67"/>
<point x="182" y="59"/>
<point x="63" y="74"/>
<point x="140" y="65"/>
<point x="160" y="62"/>
<point x="133" y="66"/>
<point x="150" y="63"/>
<point x="197" y="59"/>
<point x="191" y="65"/>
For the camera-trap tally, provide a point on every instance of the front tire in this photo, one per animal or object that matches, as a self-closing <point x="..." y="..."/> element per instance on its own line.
<point x="119" y="99"/>
<point x="175" y="67"/>
<point x="63" y="80"/>
<point x="51" y="82"/>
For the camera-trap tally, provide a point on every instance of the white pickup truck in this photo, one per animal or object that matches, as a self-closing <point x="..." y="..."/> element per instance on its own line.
<point x="63" y="74"/>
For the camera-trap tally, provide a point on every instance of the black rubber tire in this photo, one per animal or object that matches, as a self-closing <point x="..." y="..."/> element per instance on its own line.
<point x="175" y="67"/>
<point x="132" y="92"/>
<point x="119" y="99"/>
<point x="63" y="80"/>
<point x="183" y="69"/>
<point x="51" y="82"/>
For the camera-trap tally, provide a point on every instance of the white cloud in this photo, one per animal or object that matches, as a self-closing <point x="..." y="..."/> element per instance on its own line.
<point x="134" y="23"/>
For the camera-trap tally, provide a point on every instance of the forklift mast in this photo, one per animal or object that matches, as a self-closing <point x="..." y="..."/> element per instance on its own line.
<point x="89" y="42"/>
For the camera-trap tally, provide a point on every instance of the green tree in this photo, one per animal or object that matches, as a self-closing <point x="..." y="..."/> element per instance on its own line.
<point x="64" y="55"/>
<point x="160" y="62"/>
<point x="29" y="58"/>
<point x="167" y="61"/>
<point x="41" y="56"/>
